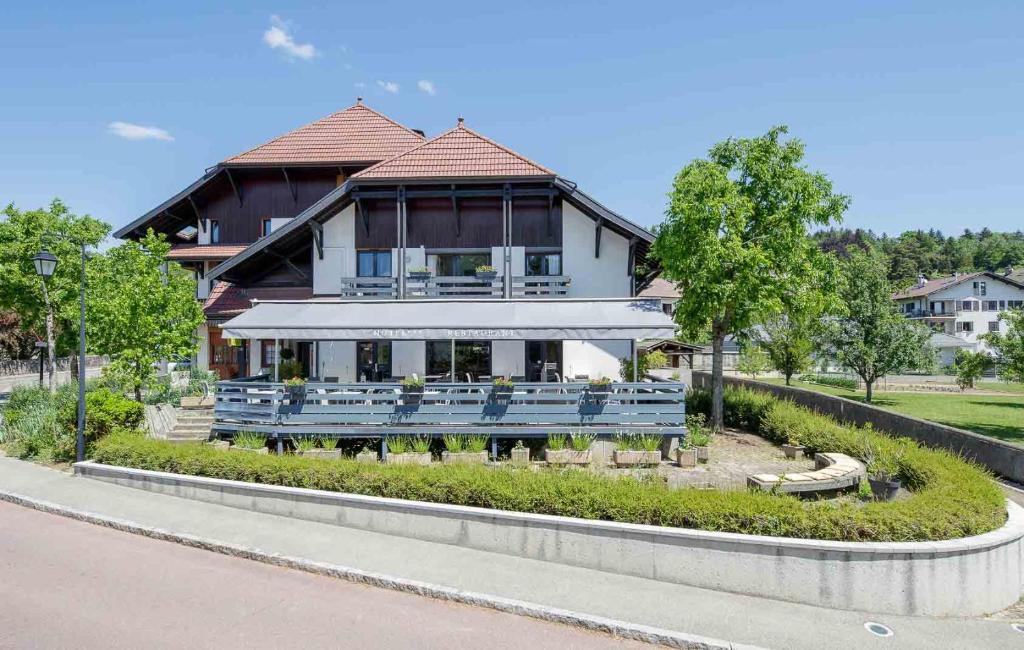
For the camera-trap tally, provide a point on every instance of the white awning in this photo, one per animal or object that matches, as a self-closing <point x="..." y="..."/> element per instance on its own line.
<point x="417" y="320"/>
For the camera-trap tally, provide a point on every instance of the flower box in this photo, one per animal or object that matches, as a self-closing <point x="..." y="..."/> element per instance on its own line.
<point x="792" y="451"/>
<point x="408" y="458"/>
<point x="457" y="457"/>
<point x="419" y="275"/>
<point x="412" y="394"/>
<point x="486" y="276"/>
<point x="320" y="453"/>
<point x="635" y="457"/>
<point x="261" y="450"/>
<point x="686" y="457"/>
<point x="702" y="454"/>
<point x="567" y="457"/>
<point x="366" y="457"/>
<point x="521" y="455"/>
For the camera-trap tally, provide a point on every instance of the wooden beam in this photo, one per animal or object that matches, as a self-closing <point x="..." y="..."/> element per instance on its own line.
<point x="318" y="237"/>
<point x="195" y="209"/>
<point x="551" y="208"/>
<point x="287" y="262"/>
<point x="363" y="215"/>
<point x="238" y="191"/>
<point x="294" y="189"/>
<point x="455" y="210"/>
<point x="598" y="227"/>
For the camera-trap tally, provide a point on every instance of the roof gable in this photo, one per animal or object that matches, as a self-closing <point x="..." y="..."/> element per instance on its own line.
<point x="356" y="134"/>
<point x="939" y="284"/>
<point x="458" y="153"/>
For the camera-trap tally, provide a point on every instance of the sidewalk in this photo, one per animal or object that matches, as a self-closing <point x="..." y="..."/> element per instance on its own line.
<point x="696" y="612"/>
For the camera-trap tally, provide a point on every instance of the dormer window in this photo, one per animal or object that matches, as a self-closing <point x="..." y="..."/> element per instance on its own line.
<point x="979" y="288"/>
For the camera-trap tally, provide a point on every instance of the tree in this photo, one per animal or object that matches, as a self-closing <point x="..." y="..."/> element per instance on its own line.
<point x="141" y="309"/>
<point x="49" y="307"/>
<point x="970" y="366"/>
<point x="645" y="361"/>
<point x="1009" y="347"/>
<point x="788" y="339"/>
<point x="752" y="361"/>
<point x="735" y="238"/>
<point x="873" y="339"/>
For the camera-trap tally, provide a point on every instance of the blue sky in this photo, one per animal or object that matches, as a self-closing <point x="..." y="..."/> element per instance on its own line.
<point x="912" y="108"/>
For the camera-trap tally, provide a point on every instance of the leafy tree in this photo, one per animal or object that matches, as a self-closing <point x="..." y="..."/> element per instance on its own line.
<point x="752" y="361"/>
<point x="735" y="238"/>
<point x="970" y="366"/>
<point x="645" y="361"/>
<point x="141" y="309"/>
<point x="788" y="339"/>
<point x="873" y="339"/>
<point x="1009" y="347"/>
<point x="49" y="307"/>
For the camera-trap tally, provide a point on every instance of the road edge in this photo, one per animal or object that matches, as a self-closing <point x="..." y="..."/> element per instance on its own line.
<point x="616" y="628"/>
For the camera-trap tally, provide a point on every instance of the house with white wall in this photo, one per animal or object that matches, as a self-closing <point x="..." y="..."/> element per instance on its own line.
<point x="964" y="306"/>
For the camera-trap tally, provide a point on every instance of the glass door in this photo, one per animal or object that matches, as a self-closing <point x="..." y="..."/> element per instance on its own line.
<point x="543" y="360"/>
<point x="373" y="360"/>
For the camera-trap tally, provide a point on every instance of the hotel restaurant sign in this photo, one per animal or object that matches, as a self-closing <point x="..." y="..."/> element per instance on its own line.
<point x="445" y="333"/>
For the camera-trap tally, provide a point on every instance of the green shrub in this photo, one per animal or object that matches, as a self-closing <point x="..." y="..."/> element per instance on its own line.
<point x="829" y="380"/>
<point x="249" y="440"/>
<point x="105" y="411"/>
<point x="557" y="441"/>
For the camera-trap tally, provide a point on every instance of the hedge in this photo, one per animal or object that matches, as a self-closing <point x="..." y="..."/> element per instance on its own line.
<point x="952" y="498"/>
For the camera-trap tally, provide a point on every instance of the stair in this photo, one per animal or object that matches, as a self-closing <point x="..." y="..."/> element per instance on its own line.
<point x="193" y="425"/>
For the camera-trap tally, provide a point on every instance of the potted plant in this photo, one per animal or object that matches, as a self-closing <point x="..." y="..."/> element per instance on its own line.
<point x="599" y="388"/>
<point x="308" y="447"/>
<point x="295" y="388"/>
<point x="520" y="453"/>
<point x="249" y="442"/>
<point x="566" y="450"/>
<point x="419" y="273"/>
<point x="408" y="450"/>
<point x="366" y="455"/>
<point x="486" y="272"/>
<point x="501" y="390"/>
<point x="461" y="448"/>
<point x="686" y="454"/>
<point x="883" y="473"/>
<point x="792" y="447"/>
<point x="412" y="390"/>
<point x="699" y="441"/>
<point x="636" y="449"/>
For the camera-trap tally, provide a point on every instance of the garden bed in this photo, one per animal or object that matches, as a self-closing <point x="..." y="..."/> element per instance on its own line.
<point x="949" y="498"/>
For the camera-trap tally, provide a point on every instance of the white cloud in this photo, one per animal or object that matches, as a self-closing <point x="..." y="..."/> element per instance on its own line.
<point x="427" y="86"/>
<point x="279" y="36"/>
<point x="360" y="84"/>
<point x="389" y="86"/>
<point x="130" y="131"/>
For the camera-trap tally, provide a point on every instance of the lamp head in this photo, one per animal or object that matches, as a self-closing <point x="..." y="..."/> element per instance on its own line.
<point x="45" y="263"/>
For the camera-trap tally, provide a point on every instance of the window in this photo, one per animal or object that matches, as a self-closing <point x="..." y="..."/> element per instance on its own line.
<point x="214" y="231"/>
<point x="543" y="264"/>
<point x="979" y="288"/>
<point x="990" y="305"/>
<point x="266" y="227"/>
<point x="461" y="264"/>
<point x="1015" y="304"/>
<point x="964" y="326"/>
<point x="374" y="264"/>
<point x="473" y="357"/>
<point x="1002" y="304"/>
<point x="267" y="354"/>
<point x="970" y="305"/>
<point x="993" y="326"/>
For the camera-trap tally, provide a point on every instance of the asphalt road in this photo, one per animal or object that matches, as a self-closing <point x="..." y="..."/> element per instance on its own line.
<point x="67" y="584"/>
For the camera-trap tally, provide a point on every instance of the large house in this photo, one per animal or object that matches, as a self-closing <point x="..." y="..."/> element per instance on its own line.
<point x="961" y="308"/>
<point x="372" y="253"/>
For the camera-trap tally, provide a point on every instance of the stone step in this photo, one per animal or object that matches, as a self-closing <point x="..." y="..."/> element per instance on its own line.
<point x="195" y="420"/>
<point x="189" y="431"/>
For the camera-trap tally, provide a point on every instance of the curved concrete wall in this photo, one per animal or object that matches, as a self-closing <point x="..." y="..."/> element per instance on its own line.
<point x="964" y="577"/>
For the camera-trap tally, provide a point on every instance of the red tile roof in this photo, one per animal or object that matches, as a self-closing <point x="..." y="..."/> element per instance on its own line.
<point x="204" y="251"/>
<point x="356" y="134"/>
<point x="660" y="288"/>
<point x="931" y="286"/>
<point x="227" y="300"/>
<point x="460" y="152"/>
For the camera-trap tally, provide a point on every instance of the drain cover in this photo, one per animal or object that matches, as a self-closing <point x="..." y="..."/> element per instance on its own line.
<point x="878" y="629"/>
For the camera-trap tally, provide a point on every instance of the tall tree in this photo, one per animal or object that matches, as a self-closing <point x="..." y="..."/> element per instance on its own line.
<point x="142" y="310"/>
<point x="735" y="237"/>
<point x="49" y="306"/>
<point x="788" y="340"/>
<point x="873" y="339"/>
<point x="1009" y="347"/>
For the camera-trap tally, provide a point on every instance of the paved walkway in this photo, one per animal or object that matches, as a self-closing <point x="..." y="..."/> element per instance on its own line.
<point x="736" y="618"/>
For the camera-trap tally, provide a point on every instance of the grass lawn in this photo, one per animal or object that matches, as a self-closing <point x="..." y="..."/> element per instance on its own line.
<point x="999" y="416"/>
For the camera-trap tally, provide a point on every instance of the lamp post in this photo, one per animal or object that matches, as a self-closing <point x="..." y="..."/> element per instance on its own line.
<point x="46" y="263"/>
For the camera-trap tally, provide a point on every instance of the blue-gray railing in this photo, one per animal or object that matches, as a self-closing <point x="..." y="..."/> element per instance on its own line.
<point x="375" y="409"/>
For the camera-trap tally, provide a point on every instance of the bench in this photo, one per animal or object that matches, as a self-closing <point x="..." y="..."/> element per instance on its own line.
<point x="832" y="472"/>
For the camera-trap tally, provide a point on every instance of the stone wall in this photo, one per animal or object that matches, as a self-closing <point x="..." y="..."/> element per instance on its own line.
<point x="1000" y="457"/>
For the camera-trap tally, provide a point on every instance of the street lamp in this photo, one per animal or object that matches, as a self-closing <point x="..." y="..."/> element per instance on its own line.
<point x="46" y="263"/>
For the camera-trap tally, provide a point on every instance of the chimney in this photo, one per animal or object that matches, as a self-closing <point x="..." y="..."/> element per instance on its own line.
<point x="921" y="279"/>
<point x="1009" y="271"/>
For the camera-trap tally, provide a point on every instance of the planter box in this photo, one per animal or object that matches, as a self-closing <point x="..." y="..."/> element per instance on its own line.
<point x="452" y="458"/>
<point x="884" y="490"/>
<point x="487" y="276"/>
<point x="702" y="454"/>
<point x="792" y="451"/>
<point x="521" y="456"/>
<point x="412" y="395"/>
<point x="261" y="450"/>
<point x="409" y="458"/>
<point x="419" y="276"/>
<point x="320" y="453"/>
<point x="501" y="394"/>
<point x="567" y="457"/>
<point x="219" y="444"/>
<point x="634" y="457"/>
<point x="366" y="457"/>
<point x="686" y="457"/>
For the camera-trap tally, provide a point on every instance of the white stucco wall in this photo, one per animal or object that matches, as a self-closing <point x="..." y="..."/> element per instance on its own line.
<point x="995" y="290"/>
<point x="339" y="253"/>
<point x="338" y="359"/>
<point x="594" y="358"/>
<point x="593" y="277"/>
<point x="508" y="358"/>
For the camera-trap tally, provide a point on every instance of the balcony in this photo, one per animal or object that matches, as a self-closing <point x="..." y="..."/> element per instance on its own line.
<point x="455" y="287"/>
<point x="928" y="313"/>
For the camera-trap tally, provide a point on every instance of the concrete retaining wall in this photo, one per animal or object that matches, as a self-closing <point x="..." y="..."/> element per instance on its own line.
<point x="1002" y="458"/>
<point x="965" y="577"/>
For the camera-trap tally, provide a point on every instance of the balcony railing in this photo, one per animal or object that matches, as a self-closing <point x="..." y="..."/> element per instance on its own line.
<point x="455" y="287"/>
<point x="928" y="313"/>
